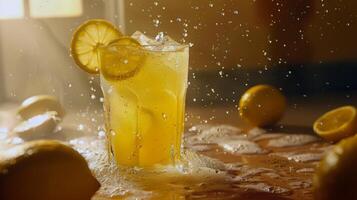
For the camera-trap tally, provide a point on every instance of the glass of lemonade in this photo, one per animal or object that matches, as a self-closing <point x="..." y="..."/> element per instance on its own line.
<point x="145" y="107"/>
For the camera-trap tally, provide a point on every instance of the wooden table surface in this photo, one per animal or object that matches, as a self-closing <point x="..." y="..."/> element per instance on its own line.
<point x="297" y="120"/>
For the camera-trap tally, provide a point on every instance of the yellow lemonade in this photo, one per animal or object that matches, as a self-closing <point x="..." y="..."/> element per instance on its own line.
<point x="145" y="106"/>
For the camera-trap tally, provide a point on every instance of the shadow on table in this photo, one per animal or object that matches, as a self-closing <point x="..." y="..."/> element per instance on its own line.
<point x="292" y="129"/>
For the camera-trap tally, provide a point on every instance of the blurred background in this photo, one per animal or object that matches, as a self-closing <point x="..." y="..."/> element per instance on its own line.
<point x="306" y="48"/>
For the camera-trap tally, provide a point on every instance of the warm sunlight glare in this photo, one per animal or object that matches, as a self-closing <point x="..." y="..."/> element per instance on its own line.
<point x="55" y="8"/>
<point x="13" y="9"/>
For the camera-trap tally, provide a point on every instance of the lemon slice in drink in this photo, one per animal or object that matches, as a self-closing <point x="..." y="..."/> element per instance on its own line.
<point x="121" y="59"/>
<point x="88" y="39"/>
<point x="337" y="124"/>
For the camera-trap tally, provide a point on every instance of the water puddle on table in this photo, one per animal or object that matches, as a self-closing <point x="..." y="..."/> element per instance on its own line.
<point x="219" y="162"/>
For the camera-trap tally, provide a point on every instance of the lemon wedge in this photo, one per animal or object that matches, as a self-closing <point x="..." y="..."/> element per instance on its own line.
<point x="337" y="124"/>
<point x="121" y="59"/>
<point x="262" y="105"/>
<point x="88" y="39"/>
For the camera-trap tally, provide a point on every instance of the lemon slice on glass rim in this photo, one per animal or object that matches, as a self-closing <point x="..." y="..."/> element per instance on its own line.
<point x="96" y="38"/>
<point x="88" y="39"/>
<point x="121" y="59"/>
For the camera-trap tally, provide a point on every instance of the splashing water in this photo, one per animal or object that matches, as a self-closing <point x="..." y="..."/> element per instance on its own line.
<point x="120" y="181"/>
<point x="251" y="167"/>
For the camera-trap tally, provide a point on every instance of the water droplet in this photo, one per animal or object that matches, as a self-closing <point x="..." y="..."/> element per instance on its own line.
<point x="156" y="22"/>
<point x="80" y="127"/>
<point x="160" y="37"/>
<point x="101" y="134"/>
<point x="164" y="116"/>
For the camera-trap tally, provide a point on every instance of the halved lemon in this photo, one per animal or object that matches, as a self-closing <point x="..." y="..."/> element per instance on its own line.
<point x="262" y="105"/>
<point x="88" y="39"/>
<point x="38" y="126"/>
<point x="337" y="124"/>
<point x="40" y="104"/>
<point x="121" y="59"/>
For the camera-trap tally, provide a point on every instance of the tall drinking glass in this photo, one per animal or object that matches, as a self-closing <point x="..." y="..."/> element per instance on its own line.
<point x="145" y="108"/>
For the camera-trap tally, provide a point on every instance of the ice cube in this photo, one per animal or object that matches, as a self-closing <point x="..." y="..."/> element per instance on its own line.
<point x="300" y="157"/>
<point x="263" y="187"/>
<point x="171" y="46"/>
<point x="165" y="40"/>
<point x="211" y="134"/>
<point x="169" y="41"/>
<point x="143" y="39"/>
<point x="168" y="44"/>
<point x="160" y="43"/>
<point x="160" y="37"/>
<point x="241" y="147"/>
<point x="292" y="140"/>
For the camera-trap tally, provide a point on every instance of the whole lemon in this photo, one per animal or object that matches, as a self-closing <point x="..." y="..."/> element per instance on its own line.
<point x="44" y="170"/>
<point x="336" y="176"/>
<point x="262" y="105"/>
